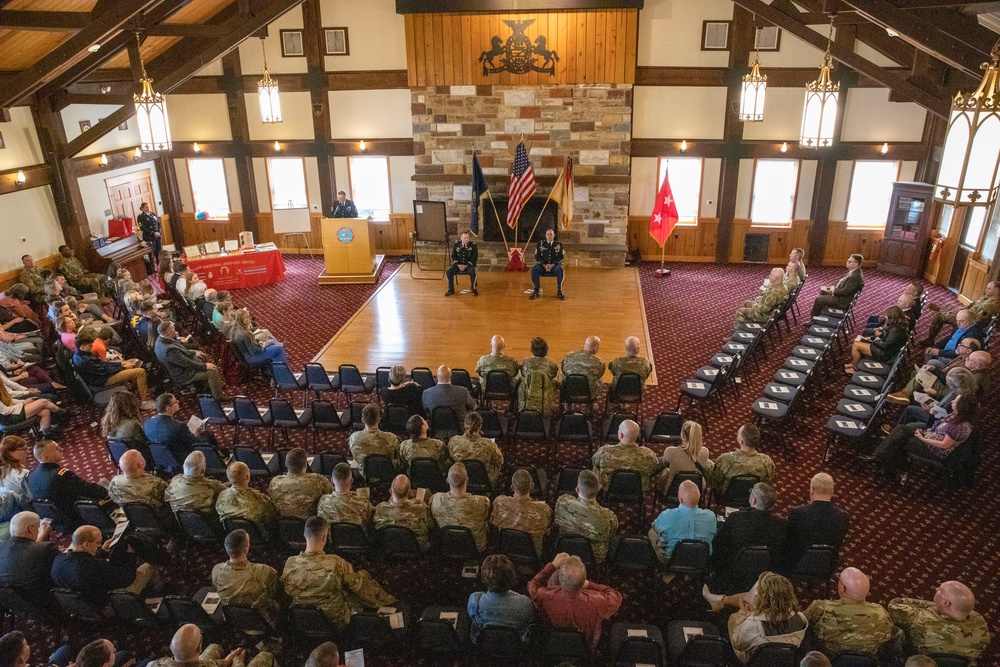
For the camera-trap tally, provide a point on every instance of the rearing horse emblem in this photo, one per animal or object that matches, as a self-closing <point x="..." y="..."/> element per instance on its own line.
<point x="518" y="55"/>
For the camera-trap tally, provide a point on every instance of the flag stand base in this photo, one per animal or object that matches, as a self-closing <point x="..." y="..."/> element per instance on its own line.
<point x="661" y="273"/>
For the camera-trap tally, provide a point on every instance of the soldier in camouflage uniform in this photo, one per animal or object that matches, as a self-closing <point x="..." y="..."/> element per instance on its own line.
<point x="496" y="360"/>
<point x="472" y="445"/>
<point x="631" y="362"/>
<point x="401" y="510"/>
<point x="456" y="507"/>
<point x="238" y="581"/>
<point x="77" y="275"/>
<point x="850" y="623"/>
<point x="239" y="500"/>
<point x="982" y="309"/>
<point x="135" y="485"/>
<point x="539" y="361"/>
<point x="760" y="309"/>
<point x="583" y="516"/>
<point x="792" y="278"/>
<point x="626" y="455"/>
<point x="372" y="440"/>
<point x="948" y="624"/>
<point x="186" y="651"/>
<point x="31" y="277"/>
<point x="344" y="505"/>
<point x="520" y="512"/>
<point x="744" y="461"/>
<point x="586" y="362"/>
<point x="297" y="492"/>
<point x="193" y="491"/>
<point x="419" y="446"/>
<point x="329" y="582"/>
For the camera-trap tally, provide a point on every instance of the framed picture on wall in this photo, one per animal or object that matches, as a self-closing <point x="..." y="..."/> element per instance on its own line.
<point x="336" y="42"/>
<point x="123" y="126"/>
<point x="291" y="44"/>
<point x="768" y="38"/>
<point x="715" y="35"/>
<point x="84" y="125"/>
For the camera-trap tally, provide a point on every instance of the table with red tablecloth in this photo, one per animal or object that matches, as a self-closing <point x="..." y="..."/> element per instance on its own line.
<point x="238" y="270"/>
<point x="120" y="227"/>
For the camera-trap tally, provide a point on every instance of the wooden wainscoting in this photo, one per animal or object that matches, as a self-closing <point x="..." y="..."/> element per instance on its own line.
<point x="291" y="245"/>
<point x="393" y="238"/>
<point x="168" y="231"/>
<point x="202" y="231"/>
<point x="388" y="238"/>
<point x="8" y="278"/>
<point x="842" y="242"/>
<point x="974" y="280"/>
<point x="783" y="239"/>
<point x="687" y="243"/>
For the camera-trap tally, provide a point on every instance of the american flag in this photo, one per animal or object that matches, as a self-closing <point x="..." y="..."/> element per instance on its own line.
<point x="522" y="185"/>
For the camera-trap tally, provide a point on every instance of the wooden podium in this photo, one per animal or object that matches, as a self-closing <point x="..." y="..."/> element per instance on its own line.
<point x="347" y="253"/>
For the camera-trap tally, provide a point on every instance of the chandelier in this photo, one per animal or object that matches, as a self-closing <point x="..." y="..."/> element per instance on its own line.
<point x="752" y="93"/>
<point x="151" y="114"/>
<point x="267" y="94"/>
<point x="971" y="156"/>
<point x="819" y="113"/>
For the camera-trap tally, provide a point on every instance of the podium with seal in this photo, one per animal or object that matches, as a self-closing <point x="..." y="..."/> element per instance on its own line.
<point x="348" y="256"/>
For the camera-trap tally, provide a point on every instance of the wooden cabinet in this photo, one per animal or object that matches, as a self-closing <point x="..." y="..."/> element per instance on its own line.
<point x="904" y="241"/>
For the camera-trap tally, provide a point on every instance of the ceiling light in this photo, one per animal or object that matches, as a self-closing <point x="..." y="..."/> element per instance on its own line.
<point x="151" y="114"/>
<point x="819" y="112"/>
<point x="885" y="148"/>
<point x="20" y="179"/>
<point x="267" y="94"/>
<point x="94" y="48"/>
<point x="752" y="93"/>
<point x="104" y="160"/>
<point x="684" y="146"/>
<point x="784" y="146"/>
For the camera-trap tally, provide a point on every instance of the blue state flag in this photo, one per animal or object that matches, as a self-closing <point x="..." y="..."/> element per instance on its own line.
<point x="479" y="187"/>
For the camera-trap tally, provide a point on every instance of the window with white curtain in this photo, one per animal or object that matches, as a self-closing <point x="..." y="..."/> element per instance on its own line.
<point x="974" y="227"/>
<point x="774" y="184"/>
<point x="287" y="177"/>
<point x="871" y="192"/>
<point x="685" y="184"/>
<point x="370" y="186"/>
<point x="208" y="187"/>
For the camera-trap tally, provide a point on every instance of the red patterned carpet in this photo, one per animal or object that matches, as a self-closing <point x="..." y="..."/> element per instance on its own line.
<point x="907" y="542"/>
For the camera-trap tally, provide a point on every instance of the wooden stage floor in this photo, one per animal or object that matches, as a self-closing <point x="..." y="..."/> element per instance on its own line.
<point x="410" y="322"/>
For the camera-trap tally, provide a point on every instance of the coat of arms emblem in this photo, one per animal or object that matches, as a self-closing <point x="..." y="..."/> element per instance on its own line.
<point x="519" y="55"/>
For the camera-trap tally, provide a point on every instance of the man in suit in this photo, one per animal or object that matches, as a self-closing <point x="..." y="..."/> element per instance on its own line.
<point x="185" y="366"/>
<point x="344" y="208"/>
<point x="62" y="486"/>
<point x="840" y="295"/>
<point x="162" y="427"/>
<point x="752" y="527"/>
<point x="819" y="522"/>
<point x="26" y="558"/>
<point x="946" y="349"/>
<point x="95" y="576"/>
<point x="445" y="394"/>
<point x="464" y="256"/>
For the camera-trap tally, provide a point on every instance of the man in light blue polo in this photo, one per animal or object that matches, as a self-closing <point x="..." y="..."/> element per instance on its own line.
<point x="685" y="522"/>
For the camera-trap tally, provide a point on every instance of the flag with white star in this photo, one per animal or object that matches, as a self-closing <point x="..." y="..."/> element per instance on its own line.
<point x="664" y="217"/>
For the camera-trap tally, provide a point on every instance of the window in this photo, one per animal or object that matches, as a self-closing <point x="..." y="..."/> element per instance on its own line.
<point x="291" y="44"/>
<point x="337" y="43"/>
<point x="774" y="185"/>
<point x="208" y="187"/>
<point x="685" y="183"/>
<point x="947" y="214"/>
<point x="767" y="38"/>
<point x="370" y="186"/>
<point x="992" y="237"/>
<point x="715" y="35"/>
<point x="871" y="192"/>
<point x="974" y="226"/>
<point x="287" y="176"/>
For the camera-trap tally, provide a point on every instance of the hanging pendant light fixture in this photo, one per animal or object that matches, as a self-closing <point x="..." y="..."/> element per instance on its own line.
<point x="752" y="93"/>
<point x="819" y="113"/>
<point x="970" y="161"/>
<point x="267" y="94"/>
<point x="151" y="114"/>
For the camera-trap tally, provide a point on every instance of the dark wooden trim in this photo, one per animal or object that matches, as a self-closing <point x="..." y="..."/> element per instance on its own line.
<point x="777" y="77"/>
<point x="166" y="174"/>
<point x="202" y="30"/>
<point x="315" y="47"/>
<point x="18" y="19"/>
<point x="35" y="176"/>
<point x="240" y="129"/>
<point x="741" y="148"/>
<point x="445" y="6"/>
<point x="294" y="148"/>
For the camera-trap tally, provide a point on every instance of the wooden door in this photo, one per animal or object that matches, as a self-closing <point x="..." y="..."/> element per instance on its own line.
<point x="128" y="191"/>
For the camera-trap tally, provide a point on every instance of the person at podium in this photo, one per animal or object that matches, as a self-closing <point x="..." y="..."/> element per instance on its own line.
<point x="344" y="208"/>
<point x="464" y="256"/>
<point x="548" y="262"/>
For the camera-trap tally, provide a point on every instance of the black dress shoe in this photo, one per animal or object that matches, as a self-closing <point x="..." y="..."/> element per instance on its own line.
<point x="534" y="295"/>
<point x="449" y="292"/>
<point x="562" y="297"/>
<point x="475" y="292"/>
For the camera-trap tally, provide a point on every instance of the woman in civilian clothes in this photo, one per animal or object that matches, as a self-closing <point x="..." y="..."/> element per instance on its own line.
<point x="253" y="353"/>
<point x="889" y="339"/>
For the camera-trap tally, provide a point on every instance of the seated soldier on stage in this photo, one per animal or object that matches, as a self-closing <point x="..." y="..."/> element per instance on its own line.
<point x="548" y="262"/>
<point x="464" y="256"/>
<point x="760" y="309"/>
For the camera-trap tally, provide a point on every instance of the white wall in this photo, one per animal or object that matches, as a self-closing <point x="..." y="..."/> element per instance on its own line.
<point x="232" y="185"/>
<point x="112" y="141"/>
<point x="376" y="34"/>
<point x="199" y="117"/>
<point x="184" y="185"/>
<point x="370" y="114"/>
<point x="401" y="185"/>
<point x="870" y="116"/>
<point x="313" y="186"/>
<point x="782" y="116"/>
<point x="679" y="112"/>
<point x="29" y="214"/>
<point x="744" y="193"/>
<point x="95" y="194"/>
<point x="296" y="118"/>
<point x="670" y="33"/>
<point x="260" y="181"/>
<point x="22" y="148"/>
<point x="251" y="60"/>
<point x="841" y="190"/>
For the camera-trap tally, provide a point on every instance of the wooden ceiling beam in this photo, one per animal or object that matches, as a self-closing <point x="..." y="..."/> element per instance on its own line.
<point x="19" y="19"/>
<point x="203" y="30"/>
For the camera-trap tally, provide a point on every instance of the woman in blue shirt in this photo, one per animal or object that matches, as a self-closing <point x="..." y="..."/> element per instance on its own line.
<point x="499" y="605"/>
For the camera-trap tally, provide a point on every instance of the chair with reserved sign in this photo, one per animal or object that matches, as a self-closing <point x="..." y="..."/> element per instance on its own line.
<point x="699" y="392"/>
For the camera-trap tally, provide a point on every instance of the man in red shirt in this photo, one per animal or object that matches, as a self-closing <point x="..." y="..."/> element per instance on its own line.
<point x="568" y="600"/>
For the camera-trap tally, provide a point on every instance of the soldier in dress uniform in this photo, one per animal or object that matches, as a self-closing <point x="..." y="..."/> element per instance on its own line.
<point x="238" y="581"/>
<point x="31" y="277"/>
<point x="850" y="623"/>
<point x="419" y="446"/>
<point x="583" y="516"/>
<point x="457" y="507"/>
<point x="343" y="505"/>
<point x="626" y="455"/>
<point x="520" y="512"/>
<point x="297" y="492"/>
<point x="496" y="360"/>
<point x="464" y="256"/>
<point x="548" y="262"/>
<point x="192" y="491"/>
<point x="586" y="362"/>
<point x="78" y="276"/>
<point x="947" y="624"/>
<point x="472" y="445"/>
<point x="744" y="461"/>
<point x="760" y="309"/>
<point x="50" y="480"/>
<point x="372" y="440"/>
<point x="151" y="231"/>
<point x="631" y="362"/>
<point x="239" y="500"/>
<point x="344" y="208"/>
<point x="401" y="510"/>
<point x="328" y="582"/>
<point x="135" y="485"/>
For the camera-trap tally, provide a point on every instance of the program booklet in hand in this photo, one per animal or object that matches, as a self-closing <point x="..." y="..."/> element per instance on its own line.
<point x="195" y="423"/>
<point x="926" y="378"/>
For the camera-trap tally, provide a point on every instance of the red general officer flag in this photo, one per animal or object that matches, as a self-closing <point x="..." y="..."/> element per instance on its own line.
<point x="664" y="217"/>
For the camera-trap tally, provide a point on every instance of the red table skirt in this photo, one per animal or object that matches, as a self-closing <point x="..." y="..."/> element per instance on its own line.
<point x="238" y="270"/>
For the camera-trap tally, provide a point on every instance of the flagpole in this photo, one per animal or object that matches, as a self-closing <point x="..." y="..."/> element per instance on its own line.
<point x="517" y="221"/>
<point x="660" y="272"/>
<point x="528" y="242"/>
<point x="499" y="223"/>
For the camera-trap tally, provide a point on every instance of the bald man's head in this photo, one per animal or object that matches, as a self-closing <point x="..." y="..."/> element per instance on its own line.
<point x="132" y="463"/>
<point x="777" y="276"/>
<point x="632" y="346"/>
<point x="238" y="474"/>
<point x="497" y="344"/>
<point x="628" y="432"/>
<point x="854" y="584"/>
<point x="955" y="599"/>
<point x="85" y="538"/>
<point x="592" y="344"/>
<point x="821" y="487"/>
<point x="186" y="643"/>
<point x="400" y="488"/>
<point x="444" y="374"/>
<point x="688" y="493"/>
<point x="324" y="655"/>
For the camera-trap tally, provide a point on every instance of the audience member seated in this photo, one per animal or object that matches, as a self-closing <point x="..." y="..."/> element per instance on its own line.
<point x="298" y="491"/>
<point x="982" y="309"/>
<point x="946" y="349"/>
<point x="16" y="300"/>
<point x="746" y="460"/>
<point x="496" y="360"/>
<point x="13" y="411"/>
<point x="211" y="301"/>
<point x="850" y="623"/>
<point x="185" y="367"/>
<point x="957" y="381"/>
<point x="539" y="361"/>
<point x="769" y="613"/>
<point x="419" y="446"/>
<point x="585" y="362"/>
<point x="185" y="650"/>
<point x="21" y="392"/>
<point x="920" y="661"/>
<point x="403" y="392"/>
<point x="32" y="277"/>
<point x="372" y="440"/>
<point x="457" y="507"/>
<point x="402" y="510"/>
<point x="19" y="346"/>
<point x="472" y="445"/>
<point x="225" y="319"/>
<point x="520" y="512"/>
<point x="689" y="456"/>
<point x="123" y="418"/>
<point x="798" y="255"/>
<point x="163" y="428"/>
<point x="631" y="362"/>
<point x="584" y="516"/>
<point x="14" y="493"/>
<point x="98" y="653"/>
<point x="626" y="455"/>
<point x="61" y="485"/>
<point x="26" y="558"/>
<point x="218" y="313"/>
<point x="969" y="357"/>
<point x="447" y="395"/>
<point x="239" y="500"/>
<point x="498" y="605"/>
<point x="238" y="581"/>
<point x="756" y="526"/>
<point x="687" y="521"/>
<point x="254" y="354"/>
<point x="936" y="442"/>
<point x="760" y="308"/>
<point x="15" y="650"/>
<point x="329" y="582"/>
<point x="192" y="491"/>
<point x="819" y="522"/>
<point x="915" y="290"/>
<point x="325" y="655"/>
<point x="135" y="485"/>
<point x="100" y="375"/>
<point x="791" y="280"/>
<point x="568" y="600"/>
<point x="76" y="275"/>
<point x="343" y="505"/>
<point x="948" y="624"/>
<point x="841" y="294"/>
<point x="96" y="567"/>
<point x="884" y="343"/>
